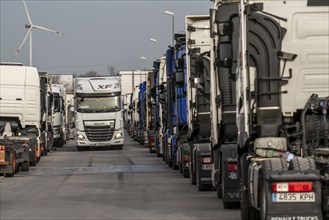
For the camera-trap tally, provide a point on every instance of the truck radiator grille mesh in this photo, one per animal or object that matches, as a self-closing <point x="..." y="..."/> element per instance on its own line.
<point x="101" y="133"/>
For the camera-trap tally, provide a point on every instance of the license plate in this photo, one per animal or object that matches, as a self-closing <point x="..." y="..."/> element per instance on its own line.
<point x="206" y="166"/>
<point x="293" y="197"/>
<point x="2" y="156"/>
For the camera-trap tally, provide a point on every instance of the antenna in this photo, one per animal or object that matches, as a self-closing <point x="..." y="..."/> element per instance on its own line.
<point x="30" y="26"/>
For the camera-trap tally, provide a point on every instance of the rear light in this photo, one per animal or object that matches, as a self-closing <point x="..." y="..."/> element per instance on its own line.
<point x="186" y="158"/>
<point x="232" y="167"/>
<point x="292" y="187"/>
<point x="232" y="171"/>
<point x="2" y="147"/>
<point x="152" y="141"/>
<point x="206" y="160"/>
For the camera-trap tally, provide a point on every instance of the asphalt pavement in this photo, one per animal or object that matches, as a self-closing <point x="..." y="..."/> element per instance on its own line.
<point x="106" y="184"/>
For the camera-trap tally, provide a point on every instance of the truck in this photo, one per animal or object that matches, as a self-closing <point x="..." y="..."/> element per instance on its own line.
<point x="161" y="103"/>
<point x="134" y="113"/>
<point x="142" y="112"/>
<point x="58" y="114"/>
<point x="176" y="100"/>
<point x="282" y="90"/>
<point x="152" y="113"/>
<point x="20" y="118"/>
<point x="197" y="149"/>
<point x="46" y="113"/>
<point x="98" y="116"/>
<point x="224" y="53"/>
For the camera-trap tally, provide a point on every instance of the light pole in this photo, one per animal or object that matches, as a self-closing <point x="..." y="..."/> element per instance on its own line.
<point x="155" y="45"/>
<point x="172" y="14"/>
<point x="140" y="74"/>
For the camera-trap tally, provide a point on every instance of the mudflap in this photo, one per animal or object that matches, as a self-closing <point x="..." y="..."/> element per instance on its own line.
<point x="173" y="151"/>
<point x="203" y="168"/>
<point x="185" y="151"/>
<point x="230" y="183"/>
<point x="268" y="202"/>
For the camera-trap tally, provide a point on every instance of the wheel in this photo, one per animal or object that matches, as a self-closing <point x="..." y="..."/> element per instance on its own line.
<point x="82" y="148"/>
<point x="247" y="212"/>
<point x="186" y="173"/>
<point x="263" y="201"/>
<point x="302" y="164"/>
<point x="33" y="162"/>
<point x="25" y="166"/>
<point x="13" y="166"/>
<point x="192" y="176"/>
<point x="219" y="193"/>
<point x="174" y="165"/>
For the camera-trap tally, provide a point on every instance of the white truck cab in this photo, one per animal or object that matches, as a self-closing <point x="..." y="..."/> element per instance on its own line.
<point x="99" y="117"/>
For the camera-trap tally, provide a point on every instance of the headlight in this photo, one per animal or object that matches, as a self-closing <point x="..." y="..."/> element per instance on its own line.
<point x="81" y="137"/>
<point x="56" y="131"/>
<point x="118" y="136"/>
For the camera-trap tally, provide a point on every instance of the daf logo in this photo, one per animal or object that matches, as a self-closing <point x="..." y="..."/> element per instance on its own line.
<point x="99" y="123"/>
<point x="107" y="86"/>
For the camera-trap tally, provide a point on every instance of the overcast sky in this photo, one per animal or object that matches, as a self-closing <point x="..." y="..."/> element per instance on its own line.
<point x="97" y="34"/>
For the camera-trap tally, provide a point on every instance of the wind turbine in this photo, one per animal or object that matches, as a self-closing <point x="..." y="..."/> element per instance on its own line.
<point x="30" y="26"/>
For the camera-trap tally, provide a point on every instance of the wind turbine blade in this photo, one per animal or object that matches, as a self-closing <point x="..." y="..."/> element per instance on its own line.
<point x="47" y="29"/>
<point x="27" y="13"/>
<point x="26" y="36"/>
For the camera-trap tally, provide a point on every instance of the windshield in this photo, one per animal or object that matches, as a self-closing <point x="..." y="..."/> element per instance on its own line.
<point x="97" y="104"/>
<point x="56" y="103"/>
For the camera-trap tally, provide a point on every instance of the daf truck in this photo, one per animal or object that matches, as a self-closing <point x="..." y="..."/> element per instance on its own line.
<point x="98" y="116"/>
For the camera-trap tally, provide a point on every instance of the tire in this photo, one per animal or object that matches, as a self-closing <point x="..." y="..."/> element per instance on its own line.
<point x="13" y="165"/>
<point x="25" y="166"/>
<point x="263" y="201"/>
<point x="302" y="164"/>
<point x="192" y="176"/>
<point x="247" y="212"/>
<point x="186" y="174"/>
<point x="82" y="148"/>
<point x="274" y="164"/>
<point x="219" y="193"/>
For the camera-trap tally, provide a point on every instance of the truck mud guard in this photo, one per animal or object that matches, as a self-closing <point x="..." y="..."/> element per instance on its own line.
<point x="230" y="183"/>
<point x="203" y="165"/>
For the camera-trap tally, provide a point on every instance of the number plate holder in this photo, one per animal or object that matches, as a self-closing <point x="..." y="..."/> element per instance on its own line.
<point x="206" y="166"/>
<point x="293" y="197"/>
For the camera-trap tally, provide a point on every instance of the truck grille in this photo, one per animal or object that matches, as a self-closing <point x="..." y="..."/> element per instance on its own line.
<point x="99" y="133"/>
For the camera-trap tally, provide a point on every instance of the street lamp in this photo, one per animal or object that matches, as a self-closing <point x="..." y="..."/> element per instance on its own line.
<point x="173" y="24"/>
<point x="155" y="43"/>
<point x="140" y="74"/>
